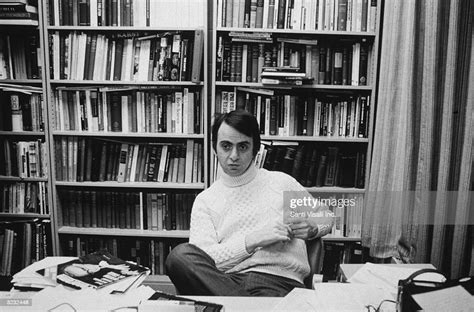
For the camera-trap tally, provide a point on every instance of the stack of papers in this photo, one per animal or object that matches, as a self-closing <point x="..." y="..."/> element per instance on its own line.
<point x="98" y="271"/>
<point x="61" y="298"/>
<point x="387" y="276"/>
<point x="334" y="297"/>
<point x="30" y="279"/>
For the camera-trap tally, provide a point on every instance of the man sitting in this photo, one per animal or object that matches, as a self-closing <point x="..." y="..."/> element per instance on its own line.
<point x="239" y="244"/>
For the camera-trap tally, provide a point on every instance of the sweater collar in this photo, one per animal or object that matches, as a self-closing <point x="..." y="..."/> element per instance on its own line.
<point x="242" y="179"/>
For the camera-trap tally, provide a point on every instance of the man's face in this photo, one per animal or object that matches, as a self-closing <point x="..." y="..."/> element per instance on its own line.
<point x="234" y="150"/>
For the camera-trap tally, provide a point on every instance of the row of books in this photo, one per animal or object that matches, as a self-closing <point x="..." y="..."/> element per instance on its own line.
<point x="129" y="110"/>
<point x="328" y="15"/>
<point x="347" y="209"/>
<point x="291" y="115"/>
<point x="151" y="253"/>
<point x="22" y="243"/>
<point x="168" y="211"/>
<point x="21" y="111"/>
<point x="100" y="209"/>
<point x="24" y="197"/>
<point x="140" y="13"/>
<point x="19" y="56"/>
<point x="315" y="165"/>
<point x="336" y="64"/>
<point x="24" y="159"/>
<point x="126" y="210"/>
<point x="126" y="56"/>
<point x="87" y="159"/>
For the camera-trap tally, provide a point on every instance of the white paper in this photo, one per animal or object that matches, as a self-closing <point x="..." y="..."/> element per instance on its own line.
<point x="42" y="264"/>
<point x="299" y="299"/>
<point x="88" y="299"/>
<point x="387" y="276"/>
<point x="351" y="297"/>
<point x="28" y="277"/>
<point x="454" y="298"/>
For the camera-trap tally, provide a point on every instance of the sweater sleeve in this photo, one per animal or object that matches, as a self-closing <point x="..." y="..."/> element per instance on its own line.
<point x="203" y="234"/>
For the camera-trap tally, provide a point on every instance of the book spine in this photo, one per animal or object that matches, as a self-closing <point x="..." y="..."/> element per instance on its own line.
<point x="198" y="46"/>
<point x="16" y="113"/>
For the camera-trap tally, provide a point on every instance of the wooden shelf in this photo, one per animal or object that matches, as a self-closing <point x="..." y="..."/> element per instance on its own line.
<point x="310" y="86"/>
<point x="22" y="133"/>
<point x="19" y="23"/>
<point x="120" y="28"/>
<point x="23" y="215"/>
<point x="335" y="189"/>
<point x="331" y="238"/>
<point x="18" y="179"/>
<point x="314" y="139"/>
<point x="161" y="234"/>
<point x="147" y="135"/>
<point x="21" y="81"/>
<point x="138" y="185"/>
<point x="123" y="232"/>
<point x="299" y="32"/>
<point x="95" y="83"/>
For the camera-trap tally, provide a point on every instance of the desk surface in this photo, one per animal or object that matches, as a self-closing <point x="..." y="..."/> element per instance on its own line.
<point x="242" y="304"/>
<point x="347" y="270"/>
<point x="253" y="304"/>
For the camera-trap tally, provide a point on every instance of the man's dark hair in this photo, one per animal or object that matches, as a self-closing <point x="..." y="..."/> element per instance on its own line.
<point x="243" y="122"/>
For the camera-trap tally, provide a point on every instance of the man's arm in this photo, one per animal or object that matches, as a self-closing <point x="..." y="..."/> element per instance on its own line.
<point x="203" y="234"/>
<point x="316" y="221"/>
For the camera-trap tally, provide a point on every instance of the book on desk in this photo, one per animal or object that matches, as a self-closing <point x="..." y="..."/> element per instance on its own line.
<point x="99" y="270"/>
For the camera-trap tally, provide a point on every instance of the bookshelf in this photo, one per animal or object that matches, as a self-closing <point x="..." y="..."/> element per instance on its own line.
<point x="83" y="140"/>
<point x="26" y="213"/>
<point x="128" y="131"/>
<point x="329" y="113"/>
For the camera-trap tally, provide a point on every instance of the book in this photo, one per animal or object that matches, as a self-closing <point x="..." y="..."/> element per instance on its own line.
<point x="198" y="305"/>
<point x="98" y="270"/>
<point x="332" y="166"/>
<point x="198" y="50"/>
<point x="16" y="113"/>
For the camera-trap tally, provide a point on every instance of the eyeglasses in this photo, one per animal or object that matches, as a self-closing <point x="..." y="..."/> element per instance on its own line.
<point x="371" y="308"/>
<point x="68" y="307"/>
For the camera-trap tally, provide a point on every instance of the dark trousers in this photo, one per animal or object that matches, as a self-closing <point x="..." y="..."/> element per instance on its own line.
<point x="194" y="272"/>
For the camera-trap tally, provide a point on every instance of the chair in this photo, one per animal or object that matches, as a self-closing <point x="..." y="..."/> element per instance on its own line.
<point x="315" y="250"/>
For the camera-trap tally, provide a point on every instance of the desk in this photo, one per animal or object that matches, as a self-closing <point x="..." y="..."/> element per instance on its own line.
<point x="347" y="270"/>
<point x="231" y="304"/>
<point x="242" y="304"/>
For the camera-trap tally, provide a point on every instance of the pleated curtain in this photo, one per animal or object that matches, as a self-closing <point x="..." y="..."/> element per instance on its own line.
<point x="419" y="202"/>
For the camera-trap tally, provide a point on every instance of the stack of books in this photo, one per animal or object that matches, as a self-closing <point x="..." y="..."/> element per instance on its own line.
<point x="99" y="270"/>
<point x="19" y="12"/>
<point x="285" y="75"/>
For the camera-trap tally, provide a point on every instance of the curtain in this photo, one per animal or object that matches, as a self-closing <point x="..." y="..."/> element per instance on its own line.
<point x="419" y="202"/>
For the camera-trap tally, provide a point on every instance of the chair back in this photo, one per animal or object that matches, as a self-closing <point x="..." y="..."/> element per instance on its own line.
<point x="315" y="252"/>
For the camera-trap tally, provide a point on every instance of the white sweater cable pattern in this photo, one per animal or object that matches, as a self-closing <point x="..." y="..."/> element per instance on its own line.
<point x="233" y="207"/>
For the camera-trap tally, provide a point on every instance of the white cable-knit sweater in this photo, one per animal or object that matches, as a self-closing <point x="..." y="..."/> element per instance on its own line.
<point x="233" y="207"/>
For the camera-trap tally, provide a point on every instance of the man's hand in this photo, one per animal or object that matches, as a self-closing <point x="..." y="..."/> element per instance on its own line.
<point x="271" y="233"/>
<point x="303" y="228"/>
